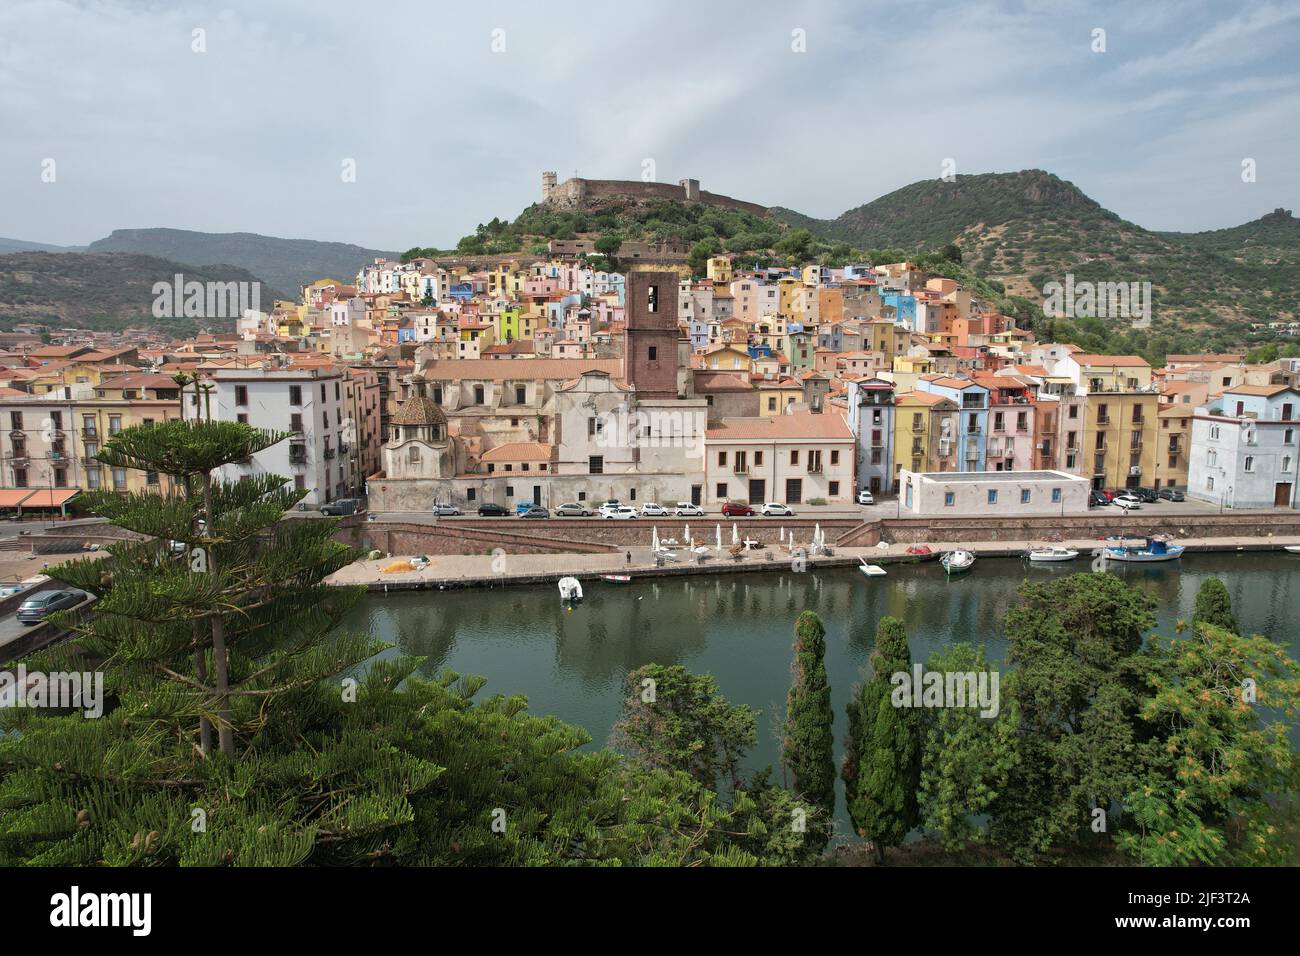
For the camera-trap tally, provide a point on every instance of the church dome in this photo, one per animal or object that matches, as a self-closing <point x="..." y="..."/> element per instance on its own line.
<point x="418" y="410"/>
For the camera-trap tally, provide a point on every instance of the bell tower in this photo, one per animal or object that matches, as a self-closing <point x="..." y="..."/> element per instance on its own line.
<point x="650" y="344"/>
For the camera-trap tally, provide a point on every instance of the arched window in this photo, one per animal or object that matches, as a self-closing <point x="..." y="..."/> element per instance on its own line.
<point x="413" y="455"/>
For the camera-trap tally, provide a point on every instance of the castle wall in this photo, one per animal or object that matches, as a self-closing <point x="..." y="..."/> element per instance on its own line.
<point x="574" y="192"/>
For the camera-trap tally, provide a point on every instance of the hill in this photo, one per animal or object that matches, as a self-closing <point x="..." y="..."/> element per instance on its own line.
<point x="1028" y="228"/>
<point x="22" y="245"/>
<point x="285" y="264"/>
<point x="103" y="290"/>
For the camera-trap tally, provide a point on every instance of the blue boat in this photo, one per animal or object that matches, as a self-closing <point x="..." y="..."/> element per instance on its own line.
<point x="1155" y="549"/>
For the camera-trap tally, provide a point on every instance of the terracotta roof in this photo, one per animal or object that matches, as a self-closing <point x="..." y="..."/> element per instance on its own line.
<point x="801" y="425"/>
<point x="518" y="451"/>
<point x="539" y="368"/>
<point x="1259" y="389"/>
<point x="708" y="380"/>
<point x="923" y="398"/>
<point x="418" y="410"/>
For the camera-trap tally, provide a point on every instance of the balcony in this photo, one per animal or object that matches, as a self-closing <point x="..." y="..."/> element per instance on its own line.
<point x="815" y="469"/>
<point x="329" y="453"/>
<point x="90" y="434"/>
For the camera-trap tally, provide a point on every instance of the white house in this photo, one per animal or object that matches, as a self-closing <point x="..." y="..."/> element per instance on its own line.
<point x="1244" y="448"/>
<point x="995" y="494"/>
<point x="786" y="458"/>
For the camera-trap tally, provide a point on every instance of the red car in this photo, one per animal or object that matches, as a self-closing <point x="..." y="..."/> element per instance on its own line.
<point x="733" y="509"/>
<point x="1110" y="493"/>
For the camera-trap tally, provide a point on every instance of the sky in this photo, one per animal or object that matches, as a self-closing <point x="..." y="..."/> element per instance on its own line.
<point x="398" y="124"/>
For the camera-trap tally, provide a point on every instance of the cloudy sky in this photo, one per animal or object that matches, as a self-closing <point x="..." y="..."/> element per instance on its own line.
<point x="450" y="111"/>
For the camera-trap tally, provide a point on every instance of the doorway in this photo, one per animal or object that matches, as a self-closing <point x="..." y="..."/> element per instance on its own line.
<point x="1282" y="494"/>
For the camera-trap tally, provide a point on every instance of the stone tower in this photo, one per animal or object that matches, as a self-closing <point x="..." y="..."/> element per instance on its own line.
<point x="548" y="184"/>
<point x="650" y="346"/>
<point x="690" y="189"/>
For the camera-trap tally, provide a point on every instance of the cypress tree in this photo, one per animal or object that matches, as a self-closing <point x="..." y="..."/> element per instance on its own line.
<point x="882" y="763"/>
<point x="808" y="744"/>
<point x="1214" y="606"/>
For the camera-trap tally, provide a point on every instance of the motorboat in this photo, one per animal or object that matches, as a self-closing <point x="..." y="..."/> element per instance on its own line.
<point x="1155" y="549"/>
<point x="1055" y="553"/>
<point x="955" y="562"/>
<point x="1292" y="548"/>
<point x="871" y="570"/>
<point x="617" y="578"/>
<point x="570" y="589"/>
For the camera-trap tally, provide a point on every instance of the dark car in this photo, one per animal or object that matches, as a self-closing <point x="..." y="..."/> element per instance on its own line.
<point x="1096" y="498"/>
<point x="536" y="511"/>
<point x="1148" y="495"/>
<point x="342" y="507"/>
<point x="490" y="509"/>
<point x="734" y="509"/>
<point x="38" y="606"/>
<point x="1172" y="494"/>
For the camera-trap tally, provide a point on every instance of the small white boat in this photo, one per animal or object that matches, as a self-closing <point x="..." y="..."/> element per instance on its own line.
<point x="617" y="578"/>
<point x="1052" y="554"/>
<point x="1155" y="549"/>
<point x="955" y="562"/>
<point x="570" y="589"/>
<point x="1293" y="548"/>
<point x="872" y="570"/>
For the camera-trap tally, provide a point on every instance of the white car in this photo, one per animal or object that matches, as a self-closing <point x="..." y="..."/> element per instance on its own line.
<point x="652" y="510"/>
<point x="685" y="509"/>
<point x="1127" y="502"/>
<point x="865" y="498"/>
<point x="774" y="509"/>
<point x="622" y="511"/>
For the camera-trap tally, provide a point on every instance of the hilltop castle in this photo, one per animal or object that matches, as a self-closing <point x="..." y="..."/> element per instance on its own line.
<point x="575" y="192"/>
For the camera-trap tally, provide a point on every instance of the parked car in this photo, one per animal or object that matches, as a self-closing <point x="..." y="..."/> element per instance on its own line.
<point x="653" y="510"/>
<point x="774" y="509"/>
<point x="341" y="506"/>
<point x="685" y="509"/>
<point x="735" y="509"/>
<point x="622" y="512"/>
<point x="445" y="510"/>
<point x="1110" y="493"/>
<point x="522" y="506"/>
<point x="572" y="509"/>
<point x="1147" y="495"/>
<point x="608" y="508"/>
<point x="1128" y="502"/>
<point x="536" y="511"/>
<point x="490" y="509"/>
<point x="37" y="607"/>
<point x="866" y="498"/>
<point x="1097" y="498"/>
<point x="612" y="503"/>
<point x="1172" y="494"/>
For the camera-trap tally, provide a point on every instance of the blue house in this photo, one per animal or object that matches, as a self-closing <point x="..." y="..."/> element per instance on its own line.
<point x="973" y="400"/>
<point x="871" y="419"/>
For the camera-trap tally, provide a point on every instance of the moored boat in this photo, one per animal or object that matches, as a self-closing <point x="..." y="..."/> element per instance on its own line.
<point x="871" y="570"/>
<point x="570" y="589"/>
<point x="1293" y="548"/>
<point x="1052" y="554"/>
<point x="1155" y="549"/>
<point x="955" y="562"/>
<point x="617" y="578"/>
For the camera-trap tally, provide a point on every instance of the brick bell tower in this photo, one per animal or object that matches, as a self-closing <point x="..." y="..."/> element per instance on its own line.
<point x="650" y="346"/>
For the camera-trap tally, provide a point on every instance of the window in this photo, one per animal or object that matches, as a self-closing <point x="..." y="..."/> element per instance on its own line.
<point x="993" y="497"/>
<point x="834" y="488"/>
<point x="20" y="477"/>
<point x="722" y="459"/>
<point x="835" y="457"/>
<point x="1288" y="436"/>
<point x="241" y="394"/>
<point x="1024" y="496"/>
<point x="478" y="394"/>
<point x="1056" y="496"/>
<point x="16" y="421"/>
<point x="758" y="458"/>
<point x="242" y="418"/>
<point x="322" y="391"/>
<point x="295" y="423"/>
<point x="596" y="465"/>
<point x="652" y="353"/>
<point x="1286" y="462"/>
<point x="521" y="395"/>
<point x="771" y="404"/>
<point x="299" y="483"/>
<point x="119" y="479"/>
<point x="1250" y="463"/>
<point x="151" y="477"/>
<point x="1074" y="411"/>
<point x="721" y="490"/>
<point x="1209" y="483"/>
<point x="114" y="424"/>
<point x="794" y="456"/>
<point x="295" y="394"/>
<point x="949" y="499"/>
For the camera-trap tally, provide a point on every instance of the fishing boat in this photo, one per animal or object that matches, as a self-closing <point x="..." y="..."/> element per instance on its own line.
<point x="617" y="578"/>
<point x="1155" y="549"/>
<point x="955" y="562"/>
<point x="1056" y="553"/>
<point x="570" y="589"/>
<point x="871" y="570"/>
<point x="1293" y="548"/>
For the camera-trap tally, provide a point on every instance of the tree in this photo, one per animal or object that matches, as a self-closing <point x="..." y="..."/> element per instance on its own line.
<point x="882" y="763"/>
<point x="701" y="252"/>
<point x="609" y="244"/>
<point x="1076" y="682"/>
<point x="808" y="744"/>
<point x="1214" y="606"/>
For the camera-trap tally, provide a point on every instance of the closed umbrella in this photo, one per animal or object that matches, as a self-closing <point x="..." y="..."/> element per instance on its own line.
<point x="735" y="534"/>
<point x="654" y="538"/>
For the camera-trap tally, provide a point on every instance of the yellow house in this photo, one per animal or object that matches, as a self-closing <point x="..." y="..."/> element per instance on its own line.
<point x="775" y="397"/>
<point x="925" y="433"/>
<point x="1112" y="373"/>
<point x="727" y="358"/>
<point x="718" y="268"/>
<point x="1173" y="443"/>
<point x="914" y="364"/>
<point x="1120" y="439"/>
<point x="885" y="336"/>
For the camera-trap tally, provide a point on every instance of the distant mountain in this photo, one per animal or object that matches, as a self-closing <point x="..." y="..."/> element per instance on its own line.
<point x="105" y="290"/>
<point x="1028" y="228"/>
<point x="22" y="245"/>
<point x="286" y="264"/>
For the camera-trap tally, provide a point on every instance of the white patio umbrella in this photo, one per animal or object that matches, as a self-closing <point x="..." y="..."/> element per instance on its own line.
<point x="654" y="538"/>
<point x="735" y="534"/>
<point x="782" y="534"/>
<point x="717" y="532"/>
<point x="817" y="534"/>
<point x="686" y="533"/>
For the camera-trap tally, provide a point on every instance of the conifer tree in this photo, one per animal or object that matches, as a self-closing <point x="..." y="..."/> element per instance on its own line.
<point x="1214" y="606"/>
<point x="882" y="763"/>
<point x="808" y="743"/>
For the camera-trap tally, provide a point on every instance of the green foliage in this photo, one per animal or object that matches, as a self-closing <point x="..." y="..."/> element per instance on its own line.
<point x="1214" y="606"/>
<point x="808" y="742"/>
<point x="883" y="752"/>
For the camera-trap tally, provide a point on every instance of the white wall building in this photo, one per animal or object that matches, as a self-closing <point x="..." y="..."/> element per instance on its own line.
<point x="1245" y="447"/>
<point x="993" y="494"/>
<point x="786" y="458"/>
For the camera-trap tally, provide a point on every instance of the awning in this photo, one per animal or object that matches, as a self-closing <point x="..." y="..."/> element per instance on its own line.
<point x="46" y="498"/>
<point x="13" y="497"/>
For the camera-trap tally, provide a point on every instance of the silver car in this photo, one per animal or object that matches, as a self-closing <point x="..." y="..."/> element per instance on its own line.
<point x="572" y="509"/>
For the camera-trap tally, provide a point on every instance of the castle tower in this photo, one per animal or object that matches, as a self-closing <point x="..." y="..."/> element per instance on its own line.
<point x="548" y="184"/>
<point x="650" y="345"/>
<point x="690" y="189"/>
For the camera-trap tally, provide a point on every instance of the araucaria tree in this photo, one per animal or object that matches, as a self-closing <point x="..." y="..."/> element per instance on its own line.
<point x="808" y="743"/>
<point x="882" y="761"/>
<point x="235" y="734"/>
<point x="1214" y="606"/>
